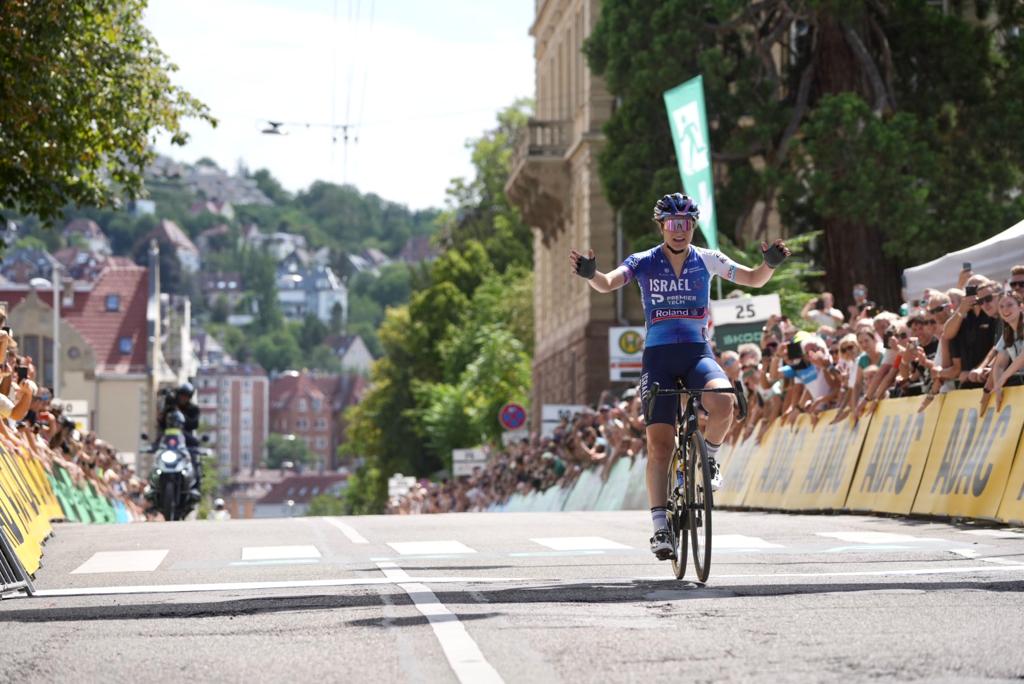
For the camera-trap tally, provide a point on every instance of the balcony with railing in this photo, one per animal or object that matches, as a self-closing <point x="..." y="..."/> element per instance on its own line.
<point x="539" y="181"/>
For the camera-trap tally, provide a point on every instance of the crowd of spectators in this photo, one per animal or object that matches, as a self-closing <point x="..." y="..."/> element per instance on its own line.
<point x="33" y="424"/>
<point x="970" y="336"/>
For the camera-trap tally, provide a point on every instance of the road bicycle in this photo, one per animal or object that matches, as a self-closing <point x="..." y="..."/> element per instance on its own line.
<point x="690" y="499"/>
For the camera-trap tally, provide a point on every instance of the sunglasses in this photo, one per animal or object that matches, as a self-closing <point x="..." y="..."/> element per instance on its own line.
<point x="1017" y="283"/>
<point x="677" y="225"/>
<point x="937" y="309"/>
<point x="986" y="299"/>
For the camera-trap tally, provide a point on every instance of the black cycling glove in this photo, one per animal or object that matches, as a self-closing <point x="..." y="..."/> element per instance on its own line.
<point x="586" y="267"/>
<point x="774" y="256"/>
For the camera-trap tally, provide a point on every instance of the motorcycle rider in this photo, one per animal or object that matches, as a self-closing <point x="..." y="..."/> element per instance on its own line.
<point x="181" y="401"/>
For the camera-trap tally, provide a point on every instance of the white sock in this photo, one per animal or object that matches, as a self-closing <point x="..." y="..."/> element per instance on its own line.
<point x="713" y="450"/>
<point x="659" y="517"/>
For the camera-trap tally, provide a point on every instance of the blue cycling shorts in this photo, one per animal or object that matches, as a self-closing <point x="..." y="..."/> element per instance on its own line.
<point x="694" y="362"/>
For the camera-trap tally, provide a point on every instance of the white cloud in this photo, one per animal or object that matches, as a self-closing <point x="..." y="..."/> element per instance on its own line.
<point x="252" y="62"/>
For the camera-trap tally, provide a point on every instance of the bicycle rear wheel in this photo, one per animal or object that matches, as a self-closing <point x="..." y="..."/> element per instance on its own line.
<point x="699" y="503"/>
<point x="675" y="506"/>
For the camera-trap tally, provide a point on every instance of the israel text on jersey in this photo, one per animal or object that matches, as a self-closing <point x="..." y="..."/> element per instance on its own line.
<point x="676" y="306"/>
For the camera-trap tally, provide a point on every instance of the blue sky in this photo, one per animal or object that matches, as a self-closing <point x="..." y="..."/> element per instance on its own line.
<point x="435" y="74"/>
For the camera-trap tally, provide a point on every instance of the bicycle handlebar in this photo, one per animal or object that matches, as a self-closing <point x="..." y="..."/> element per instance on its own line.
<point x="656" y="391"/>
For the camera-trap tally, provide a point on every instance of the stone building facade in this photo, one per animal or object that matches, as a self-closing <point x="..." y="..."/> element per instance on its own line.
<point x="554" y="181"/>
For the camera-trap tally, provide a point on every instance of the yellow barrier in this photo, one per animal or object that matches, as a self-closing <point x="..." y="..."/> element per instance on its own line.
<point x="894" y="456"/>
<point x="971" y="455"/>
<point x="1012" y="507"/>
<point x="775" y="464"/>
<point x="737" y="472"/>
<point x="21" y="515"/>
<point x="825" y="464"/>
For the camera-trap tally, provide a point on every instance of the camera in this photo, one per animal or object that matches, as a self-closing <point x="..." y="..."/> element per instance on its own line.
<point x="22" y="372"/>
<point x="819" y="304"/>
<point x="794" y="350"/>
<point x="971" y="290"/>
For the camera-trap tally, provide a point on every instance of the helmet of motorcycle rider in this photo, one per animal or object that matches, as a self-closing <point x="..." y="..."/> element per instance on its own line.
<point x="218" y="504"/>
<point x="186" y="389"/>
<point x="175" y="419"/>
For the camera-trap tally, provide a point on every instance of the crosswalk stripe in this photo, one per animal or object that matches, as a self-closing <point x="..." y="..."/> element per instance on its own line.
<point x="430" y="547"/>
<point x="740" y="541"/>
<point x="122" y="561"/>
<point x="257" y="553"/>
<point x="578" y="543"/>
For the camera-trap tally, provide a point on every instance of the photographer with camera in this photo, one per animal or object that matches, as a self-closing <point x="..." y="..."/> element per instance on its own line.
<point x="972" y="330"/>
<point x="822" y="312"/>
<point x="180" y="400"/>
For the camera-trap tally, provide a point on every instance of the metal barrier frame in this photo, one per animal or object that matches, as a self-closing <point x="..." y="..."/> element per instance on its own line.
<point x="12" y="573"/>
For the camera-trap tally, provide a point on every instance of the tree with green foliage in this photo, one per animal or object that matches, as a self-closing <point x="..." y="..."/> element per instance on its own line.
<point x="461" y="347"/>
<point x="277" y="350"/>
<point x="282" y="448"/>
<point x="889" y="125"/>
<point x="85" y="86"/>
<point x="478" y="208"/>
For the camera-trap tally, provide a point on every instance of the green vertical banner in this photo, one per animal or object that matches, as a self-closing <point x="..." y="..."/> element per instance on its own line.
<point x="689" y="122"/>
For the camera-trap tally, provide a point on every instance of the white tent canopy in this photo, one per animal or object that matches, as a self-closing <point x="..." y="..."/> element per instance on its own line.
<point x="993" y="258"/>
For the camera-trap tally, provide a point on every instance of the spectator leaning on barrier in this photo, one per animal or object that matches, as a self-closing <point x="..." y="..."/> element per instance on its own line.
<point x="1008" y="370"/>
<point x="850" y="375"/>
<point x="811" y="367"/>
<point x="943" y="375"/>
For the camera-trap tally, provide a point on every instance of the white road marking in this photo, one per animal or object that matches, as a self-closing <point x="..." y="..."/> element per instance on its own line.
<point x="998" y="534"/>
<point x="739" y="541"/>
<point x="263" y="553"/>
<point x="122" y="561"/>
<point x="424" y="547"/>
<point x="255" y="586"/>
<point x="463" y="654"/>
<point x="288" y="561"/>
<point x="877" y="537"/>
<point x="966" y="553"/>
<point x="1000" y="561"/>
<point x="309" y="584"/>
<point x="347" y="530"/>
<point x="553" y="554"/>
<point x="578" y="543"/>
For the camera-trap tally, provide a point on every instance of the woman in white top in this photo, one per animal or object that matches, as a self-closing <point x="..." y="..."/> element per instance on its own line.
<point x="1009" y="365"/>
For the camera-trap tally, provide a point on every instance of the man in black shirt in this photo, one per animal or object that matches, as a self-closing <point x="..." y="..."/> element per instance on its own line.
<point x="972" y="331"/>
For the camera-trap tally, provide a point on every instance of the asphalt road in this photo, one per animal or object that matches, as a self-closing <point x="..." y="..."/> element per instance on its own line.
<point x="520" y="597"/>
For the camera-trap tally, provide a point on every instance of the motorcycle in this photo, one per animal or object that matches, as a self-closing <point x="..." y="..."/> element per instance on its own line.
<point x="173" y="479"/>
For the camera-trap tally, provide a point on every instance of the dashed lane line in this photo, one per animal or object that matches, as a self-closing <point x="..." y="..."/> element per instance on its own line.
<point x="280" y="553"/>
<point x="578" y="543"/>
<point x="420" y="548"/>
<point x="463" y="654"/>
<point x="122" y="561"/>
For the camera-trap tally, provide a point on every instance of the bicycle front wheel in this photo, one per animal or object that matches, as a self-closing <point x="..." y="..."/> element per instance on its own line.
<point x="699" y="502"/>
<point x="676" y="509"/>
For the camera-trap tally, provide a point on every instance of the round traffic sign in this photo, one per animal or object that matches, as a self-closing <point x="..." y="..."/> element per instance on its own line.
<point x="512" y="416"/>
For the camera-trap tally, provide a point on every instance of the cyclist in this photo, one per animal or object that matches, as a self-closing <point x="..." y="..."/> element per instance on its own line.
<point x="675" y="286"/>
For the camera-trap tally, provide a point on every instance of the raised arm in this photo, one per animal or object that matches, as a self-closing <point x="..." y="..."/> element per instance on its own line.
<point x="586" y="267"/>
<point x="773" y="255"/>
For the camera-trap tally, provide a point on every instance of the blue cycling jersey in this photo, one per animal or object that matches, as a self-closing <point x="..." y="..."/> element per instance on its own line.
<point x="676" y="308"/>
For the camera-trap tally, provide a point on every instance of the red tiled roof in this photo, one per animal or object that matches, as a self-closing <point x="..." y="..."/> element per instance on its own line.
<point x="290" y="488"/>
<point x="171" y="232"/>
<point x="288" y="386"/>
<point x="103" y="329"/>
